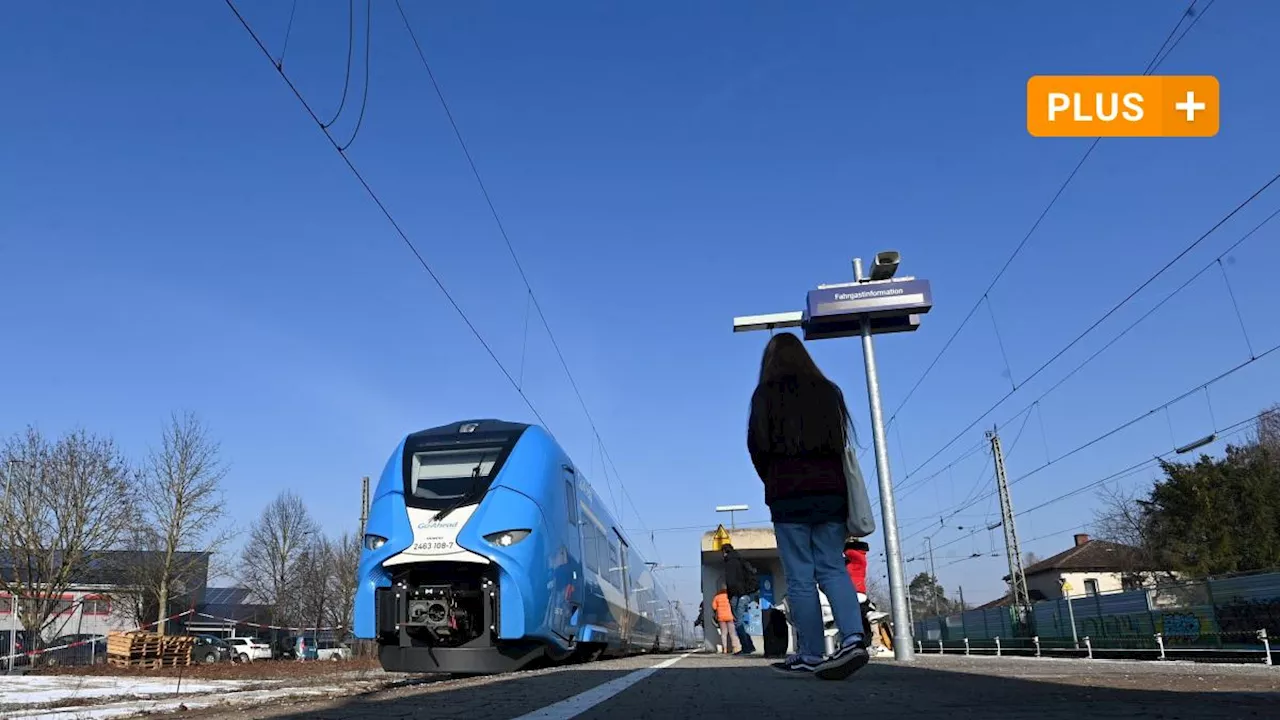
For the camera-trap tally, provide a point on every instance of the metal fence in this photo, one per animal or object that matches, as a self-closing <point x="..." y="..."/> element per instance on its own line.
<point x="1228" y="614"/>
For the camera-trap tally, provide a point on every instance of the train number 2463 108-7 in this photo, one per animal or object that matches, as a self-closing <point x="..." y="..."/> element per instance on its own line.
<point x="434" y="545"/>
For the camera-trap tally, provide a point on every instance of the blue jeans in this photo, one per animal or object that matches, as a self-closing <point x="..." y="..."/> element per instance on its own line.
<point x="813" y="556"/>
<point x="741" y="609"/>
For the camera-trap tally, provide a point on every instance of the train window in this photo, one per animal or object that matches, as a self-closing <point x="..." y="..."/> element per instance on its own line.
<point x="615" y="561"/>
<point x="451" y="473"/>
<point x="589" y="547"/>
<point x="571" y="503"/>
<point x="601" y="552"/>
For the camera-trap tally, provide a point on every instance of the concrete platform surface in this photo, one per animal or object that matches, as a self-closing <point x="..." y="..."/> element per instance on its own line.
<point x="708" y="686"/>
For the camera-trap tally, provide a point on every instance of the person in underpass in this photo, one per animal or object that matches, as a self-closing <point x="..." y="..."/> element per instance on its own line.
<point x="744" y="588"/>
<point x="724" y="618"/>
<point x="797" y="432"/>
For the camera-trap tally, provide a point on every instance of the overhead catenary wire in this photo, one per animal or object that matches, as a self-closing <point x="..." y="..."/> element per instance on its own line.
<point x="977" y="486"/>
<point x="351" y="46"/>
<point x="288" y="32"/>
<point x="368" y="47"/>
<point x="1235" y="306"/>
<point x="1152" y="66"/>
<point x="404" y="237"/>
<point x="1149" y="463"/>
<point x="975" y="556"/>
<point x="1008" y="369"/>
<point x="1151" y="311"/>
<point x="341" y="150"/>
<point x="506" y="238"/>
<point x="1195" y="19"/>
<point x="1137" y="467"/>
<point x="1114" y="308"/>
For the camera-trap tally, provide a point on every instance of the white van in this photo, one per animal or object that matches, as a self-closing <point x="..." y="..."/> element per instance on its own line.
<point x="248" y="649"/>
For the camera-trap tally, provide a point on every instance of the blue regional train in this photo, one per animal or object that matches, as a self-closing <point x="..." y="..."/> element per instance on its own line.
<point x="486" y="550"/>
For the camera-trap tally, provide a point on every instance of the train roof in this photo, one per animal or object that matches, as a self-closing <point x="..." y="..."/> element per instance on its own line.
<point x="486" y="426"/>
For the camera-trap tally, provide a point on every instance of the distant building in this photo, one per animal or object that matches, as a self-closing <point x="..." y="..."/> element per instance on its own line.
<point x="1091" y="567"/>
<point x="106" y="596"/>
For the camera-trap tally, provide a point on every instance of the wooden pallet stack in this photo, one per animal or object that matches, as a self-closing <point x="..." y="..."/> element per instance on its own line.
<point x="138" y="649"/>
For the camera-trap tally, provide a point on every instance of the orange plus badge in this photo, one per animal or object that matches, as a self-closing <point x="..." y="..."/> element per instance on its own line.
<point x="1122" y="106"/>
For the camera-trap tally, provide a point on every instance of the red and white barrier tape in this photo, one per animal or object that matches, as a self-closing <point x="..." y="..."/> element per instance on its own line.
<point x="260" y="626"/>
<point x="35" y="653"/>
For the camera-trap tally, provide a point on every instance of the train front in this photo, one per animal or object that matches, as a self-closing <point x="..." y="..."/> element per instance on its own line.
<point x="446" y="577"/>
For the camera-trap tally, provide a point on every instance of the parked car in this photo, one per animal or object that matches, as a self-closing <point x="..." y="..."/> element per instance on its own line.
<point x="22" y="647"/>
<point x="210" y="649"/>
<point x="285" y="648"/>
<point x="332" y="650"/>
<point x="306" y="647"/>
<point x="74" y="649"/>
<point x="248" y="649"/>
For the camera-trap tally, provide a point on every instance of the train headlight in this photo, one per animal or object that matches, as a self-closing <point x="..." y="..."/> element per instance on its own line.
<point x="507" y="538"/>
<point x="373" y="542"/>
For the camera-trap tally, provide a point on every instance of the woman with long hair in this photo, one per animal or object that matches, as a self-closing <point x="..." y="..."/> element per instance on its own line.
<point x="796" y="435"/>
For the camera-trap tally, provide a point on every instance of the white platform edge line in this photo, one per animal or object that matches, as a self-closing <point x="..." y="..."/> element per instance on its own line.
<point x="584" y="701"/>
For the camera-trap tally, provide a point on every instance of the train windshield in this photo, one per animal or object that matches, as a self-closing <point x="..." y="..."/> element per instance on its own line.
<point x="447" y="475"/>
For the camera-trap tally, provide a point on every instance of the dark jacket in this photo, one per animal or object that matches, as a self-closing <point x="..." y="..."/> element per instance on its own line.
<point x="735" y="575"/>
<point x="800" y="489"/>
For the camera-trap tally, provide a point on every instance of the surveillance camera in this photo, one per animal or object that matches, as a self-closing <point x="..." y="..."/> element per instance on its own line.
<point x="885" y="266"/>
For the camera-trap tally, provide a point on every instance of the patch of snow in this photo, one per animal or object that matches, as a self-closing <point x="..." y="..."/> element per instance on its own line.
<point x="25" y="691"/>
<point x="201" y="702"/>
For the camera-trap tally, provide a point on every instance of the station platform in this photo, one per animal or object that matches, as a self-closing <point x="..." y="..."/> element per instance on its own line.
<point x="709" y="686"/>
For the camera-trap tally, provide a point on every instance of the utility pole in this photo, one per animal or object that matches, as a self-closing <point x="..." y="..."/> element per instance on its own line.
<point x="1017" y="578"/>
<point x="364" y="505"/>
<point x="933" y="573"/>
<point x="963" y="607"/>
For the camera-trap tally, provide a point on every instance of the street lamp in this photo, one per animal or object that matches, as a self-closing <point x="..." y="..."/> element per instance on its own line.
<point x="881" y="303"/>
<point x="8" y="511"/>
<point x="731" y="509"/>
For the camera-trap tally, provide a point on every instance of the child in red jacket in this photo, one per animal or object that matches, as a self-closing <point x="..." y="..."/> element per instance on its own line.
<point x="855" y="562"/>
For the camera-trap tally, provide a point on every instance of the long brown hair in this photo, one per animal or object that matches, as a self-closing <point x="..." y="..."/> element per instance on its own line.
<point x="795" y="409"/>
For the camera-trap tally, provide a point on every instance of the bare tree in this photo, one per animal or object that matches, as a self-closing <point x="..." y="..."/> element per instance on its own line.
<point x="271" y="558"/>
<point x="316" y="591"/>
<point x="1268" y="432"/>
<point x="1029" y="559"/>
<point x="877" y="593"/>
<point x="345" y="558"/>
<point x="1120" y="518"/>
<point x="139" y="573"/>
<point x="65" y="504"/>
<point x="181" y="506"/>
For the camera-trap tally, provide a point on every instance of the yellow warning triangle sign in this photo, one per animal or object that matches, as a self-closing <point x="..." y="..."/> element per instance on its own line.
<point x="720" y="538"/>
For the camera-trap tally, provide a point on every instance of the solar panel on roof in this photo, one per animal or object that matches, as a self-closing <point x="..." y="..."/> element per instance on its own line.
<point x="225" y="596"/>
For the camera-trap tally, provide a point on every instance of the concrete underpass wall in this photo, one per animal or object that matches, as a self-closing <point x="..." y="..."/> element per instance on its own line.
<point x="760" y="547"/>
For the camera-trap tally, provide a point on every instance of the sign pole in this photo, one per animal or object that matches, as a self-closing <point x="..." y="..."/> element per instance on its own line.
<point x="868" y="306"/>
<point x="903" y="649"/>
<point x="1066" y="590"/>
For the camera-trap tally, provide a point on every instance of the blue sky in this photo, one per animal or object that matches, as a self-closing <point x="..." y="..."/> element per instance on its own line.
<point x="175" y="233"/>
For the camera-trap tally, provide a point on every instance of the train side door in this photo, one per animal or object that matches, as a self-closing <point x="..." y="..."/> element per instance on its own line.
<point x="571" y="583"/>
<point x="629" y="612"/>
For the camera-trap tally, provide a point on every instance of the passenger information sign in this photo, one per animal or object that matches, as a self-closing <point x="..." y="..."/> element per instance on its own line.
<point x="871" y="299"/>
